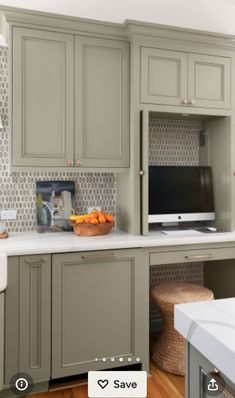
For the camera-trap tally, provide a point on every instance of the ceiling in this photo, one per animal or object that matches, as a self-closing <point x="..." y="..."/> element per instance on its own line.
<point x="210" y="15"/>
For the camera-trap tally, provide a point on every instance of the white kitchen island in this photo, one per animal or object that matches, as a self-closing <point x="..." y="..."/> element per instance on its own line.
<point x="209" y="330"/>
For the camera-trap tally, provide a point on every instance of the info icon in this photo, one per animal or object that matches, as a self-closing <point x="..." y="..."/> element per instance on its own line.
<point x="212" y="386"/>
<point x="21" y="384"/>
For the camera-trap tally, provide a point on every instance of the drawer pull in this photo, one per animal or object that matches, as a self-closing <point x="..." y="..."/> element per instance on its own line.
<point x="97" y="257"/>
<point x="35" y="260"/>
<point x="198" y="256"/>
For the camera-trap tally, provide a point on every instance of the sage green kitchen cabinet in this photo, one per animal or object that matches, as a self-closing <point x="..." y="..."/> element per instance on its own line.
<point x="209" y="81"/>
<point x="28" y="317"/>
<point x="171" y="77"/>
<point x="42" y="97"/>
<point x="163" y="76"/>
<point x="200" y="372"/>
<point x="1" y="340"/>
<point x="99" y="311"/>
<point x="46" y="89"/>
<point x="101" y="102"/>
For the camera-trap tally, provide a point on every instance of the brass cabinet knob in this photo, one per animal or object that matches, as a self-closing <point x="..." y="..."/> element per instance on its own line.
<point x="142" y="172"/>
<point x="192" y="102"/>
<point x="70" y="162"/>
<point x="184" y="102"/>
<point x="79" y="162"/>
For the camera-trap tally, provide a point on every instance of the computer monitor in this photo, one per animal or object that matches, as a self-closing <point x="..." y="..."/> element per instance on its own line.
<point x="180" y="193"/>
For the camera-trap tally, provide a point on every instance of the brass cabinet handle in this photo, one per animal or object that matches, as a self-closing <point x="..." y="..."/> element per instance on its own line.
<point x="98" y="257"/>
<point x="198" y="256"/>
<point x="70" y="162"/>
<point x="35" y="260"/>
<point x="185" y="101"/>
<point x="142" y="172"/>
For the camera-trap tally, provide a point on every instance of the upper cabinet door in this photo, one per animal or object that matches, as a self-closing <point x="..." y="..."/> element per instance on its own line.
<point x="163" y="76"/>
<point x="208" y="81"/>
<point x="101" y="103"/>
<point x="43" y="95"/>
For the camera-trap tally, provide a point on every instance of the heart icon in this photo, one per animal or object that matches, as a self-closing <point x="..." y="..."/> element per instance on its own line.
<point x="103" y="383"/>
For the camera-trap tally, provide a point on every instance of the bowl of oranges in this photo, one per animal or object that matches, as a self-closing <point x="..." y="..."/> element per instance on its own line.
<point x="92" y="224"/>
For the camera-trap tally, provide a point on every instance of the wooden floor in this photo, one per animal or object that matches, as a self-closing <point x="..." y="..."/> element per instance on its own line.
<point x="160" y="385"/>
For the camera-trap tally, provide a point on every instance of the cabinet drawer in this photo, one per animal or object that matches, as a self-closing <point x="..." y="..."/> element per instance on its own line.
<point x="187" y="256"/>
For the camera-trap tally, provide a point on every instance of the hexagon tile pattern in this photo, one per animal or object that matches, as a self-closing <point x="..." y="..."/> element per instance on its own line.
<point x="174" y="142"/>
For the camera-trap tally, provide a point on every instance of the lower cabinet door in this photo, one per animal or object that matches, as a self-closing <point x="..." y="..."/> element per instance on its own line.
<point x="1" y="340"/>
<point x="28" y="318"/>
<point x="97" y="301"/>
<point x="35" y="313"/>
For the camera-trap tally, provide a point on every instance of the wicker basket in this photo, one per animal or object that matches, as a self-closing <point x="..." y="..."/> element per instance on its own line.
<point x="168" y="351"/>
<point x="92" y="229"/>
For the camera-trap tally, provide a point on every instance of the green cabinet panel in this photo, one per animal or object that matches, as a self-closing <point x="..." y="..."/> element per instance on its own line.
<point x="99" y="310"/>
<point x="35" y="316"/>
<point x="28" y="298"/>
<point x="46" y="91"/>
<point x="209" y="81"/>
<point x="171" y="77"/>
<point x="42" y="98"/>
<point x="101" y="102"/>
<point x="1" y="340"/>
<point x="163" y="76"/>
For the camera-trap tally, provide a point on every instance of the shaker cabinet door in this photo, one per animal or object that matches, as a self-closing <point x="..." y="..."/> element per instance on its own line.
<point x="101" y="102"/>
<point x="208" y="81"/>
<point x="35" y="316"/>
<point x="163" y="76"/>
<point x="99" y="310"/>
<point x="28" y="317"/>
<point x="42" y="102"/>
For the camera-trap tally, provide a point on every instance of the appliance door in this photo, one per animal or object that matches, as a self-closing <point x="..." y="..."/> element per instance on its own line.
<point x="1" y="340"/>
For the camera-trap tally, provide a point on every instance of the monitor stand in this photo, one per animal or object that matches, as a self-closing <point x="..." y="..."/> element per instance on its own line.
<point x="172" y="226"/>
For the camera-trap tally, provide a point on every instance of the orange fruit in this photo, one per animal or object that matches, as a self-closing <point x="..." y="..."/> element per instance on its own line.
<point x="102" y="219"/>
<point x="87" y="220"/>
<point x="94" y="220"/>
<point x="109" y="217"/>
<point x="94" y="214"/>
<point x="101" y="213"/>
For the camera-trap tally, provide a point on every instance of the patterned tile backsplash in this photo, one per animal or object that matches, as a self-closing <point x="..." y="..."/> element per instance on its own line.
<point x="174" y="142"/>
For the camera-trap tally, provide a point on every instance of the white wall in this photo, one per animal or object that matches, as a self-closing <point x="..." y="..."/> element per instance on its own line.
<point x="211" y="15"/>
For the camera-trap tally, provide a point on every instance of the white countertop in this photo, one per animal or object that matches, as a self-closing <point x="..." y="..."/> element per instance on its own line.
<point x="210" y="327"/>
<point x="26" y="243"/>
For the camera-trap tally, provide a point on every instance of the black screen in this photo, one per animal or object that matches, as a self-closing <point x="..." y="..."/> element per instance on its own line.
<point x="180" y="189"/>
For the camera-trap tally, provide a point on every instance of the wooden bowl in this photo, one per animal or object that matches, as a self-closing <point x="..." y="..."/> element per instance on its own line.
<point x="92" y="229"/>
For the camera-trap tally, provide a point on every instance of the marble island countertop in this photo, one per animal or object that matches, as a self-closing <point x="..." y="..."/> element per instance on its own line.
<point x="26" y="243"/>
<point x="210" y="327"/>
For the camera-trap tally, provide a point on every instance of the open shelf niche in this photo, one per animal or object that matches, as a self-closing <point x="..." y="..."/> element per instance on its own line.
<point x="178" y="140"/>
<point x="191" y="141"/>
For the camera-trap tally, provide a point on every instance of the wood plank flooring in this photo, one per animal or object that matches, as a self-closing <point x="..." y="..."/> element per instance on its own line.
<point x="160" y="385"/>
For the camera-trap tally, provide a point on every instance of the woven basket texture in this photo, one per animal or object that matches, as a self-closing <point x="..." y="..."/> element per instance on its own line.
<point x="168" y="351"/>
<point x="92" y="230"/>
